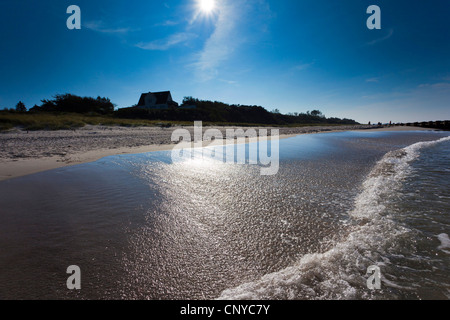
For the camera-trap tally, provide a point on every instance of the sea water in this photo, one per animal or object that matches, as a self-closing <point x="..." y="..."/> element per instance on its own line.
<point x="144" y="227"/>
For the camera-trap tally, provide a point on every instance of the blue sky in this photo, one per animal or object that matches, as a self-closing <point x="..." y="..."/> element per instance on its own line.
<point x="291" y="55"/>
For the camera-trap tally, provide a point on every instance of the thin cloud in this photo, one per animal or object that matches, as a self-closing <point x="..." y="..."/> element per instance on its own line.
<point x="373" y="80"/>
<point x="304" y="66"/>
<point x="167" y="23"/>
<point x="438" y="85"/>
<point x="228" y="36"/>
<point x="228" y="81"/>
<point x="373" y="42"/>
<point x="220" y="45"/>
<point x="167" y="43"/>
<point x="99" y="26"/>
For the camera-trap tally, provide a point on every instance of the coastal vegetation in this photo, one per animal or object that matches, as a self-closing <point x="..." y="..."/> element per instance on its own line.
<point x="68" y="111"/>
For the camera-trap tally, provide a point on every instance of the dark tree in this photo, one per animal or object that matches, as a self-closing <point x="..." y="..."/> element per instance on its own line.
<point x="317" y="113"/>
<point x="20" y="107"/>
<point x="72" y="103"/>
<point x="189" y="100"/>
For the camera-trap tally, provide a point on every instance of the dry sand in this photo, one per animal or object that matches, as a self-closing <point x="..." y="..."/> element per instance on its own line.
<point x="23" y="153"/>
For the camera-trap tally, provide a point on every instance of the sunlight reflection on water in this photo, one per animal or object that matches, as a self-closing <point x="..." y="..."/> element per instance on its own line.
<point x="143" y="227"/>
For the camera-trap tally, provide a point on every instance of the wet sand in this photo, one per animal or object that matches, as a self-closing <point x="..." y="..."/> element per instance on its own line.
<point x="23" y="153"/>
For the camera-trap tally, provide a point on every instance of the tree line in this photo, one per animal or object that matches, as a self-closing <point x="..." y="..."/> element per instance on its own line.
<point x="205" y="110"/>
<point x="69" y="103"/>
<point x="216" y="111"/>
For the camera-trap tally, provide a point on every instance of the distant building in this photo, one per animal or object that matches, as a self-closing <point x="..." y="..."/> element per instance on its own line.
<point x="156" y="100"/>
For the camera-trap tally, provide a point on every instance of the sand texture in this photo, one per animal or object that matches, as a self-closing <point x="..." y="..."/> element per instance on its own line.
<point x="23" y="152"/>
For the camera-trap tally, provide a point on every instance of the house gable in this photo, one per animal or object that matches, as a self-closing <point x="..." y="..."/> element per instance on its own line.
<point x="156" y="100"/>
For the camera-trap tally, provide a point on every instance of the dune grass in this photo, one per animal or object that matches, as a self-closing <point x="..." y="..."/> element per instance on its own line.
<point x="71" y="121"/>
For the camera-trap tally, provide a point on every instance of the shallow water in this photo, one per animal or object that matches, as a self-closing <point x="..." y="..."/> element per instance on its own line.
<point x="142" y="227"/>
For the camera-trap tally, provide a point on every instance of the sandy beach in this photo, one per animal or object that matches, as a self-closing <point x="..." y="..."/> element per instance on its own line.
<point x="141" y="227"/>
<point x="23" y="153"/>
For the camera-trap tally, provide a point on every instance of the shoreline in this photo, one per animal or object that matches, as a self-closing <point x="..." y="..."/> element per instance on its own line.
<point x="31" y="157"/>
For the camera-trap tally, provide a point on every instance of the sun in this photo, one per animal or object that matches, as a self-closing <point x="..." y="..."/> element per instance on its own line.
<point x="206" y="6"/>
<point x="205" y="10"/>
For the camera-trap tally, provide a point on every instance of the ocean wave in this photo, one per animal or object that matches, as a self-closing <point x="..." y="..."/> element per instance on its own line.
<point x="340" y="273"/>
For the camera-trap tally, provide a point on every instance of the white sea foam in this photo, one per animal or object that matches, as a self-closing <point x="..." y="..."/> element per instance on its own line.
<point x="386" y="177"/>
<point x="445" y="242"/>
<point x="340" y="273"/>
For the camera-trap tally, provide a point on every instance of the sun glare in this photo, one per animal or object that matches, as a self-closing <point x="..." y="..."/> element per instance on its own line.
<point x="206" y="6"/>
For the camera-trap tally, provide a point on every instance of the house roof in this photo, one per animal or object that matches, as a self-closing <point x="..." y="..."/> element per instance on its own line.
<point x="161" y="97"/>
